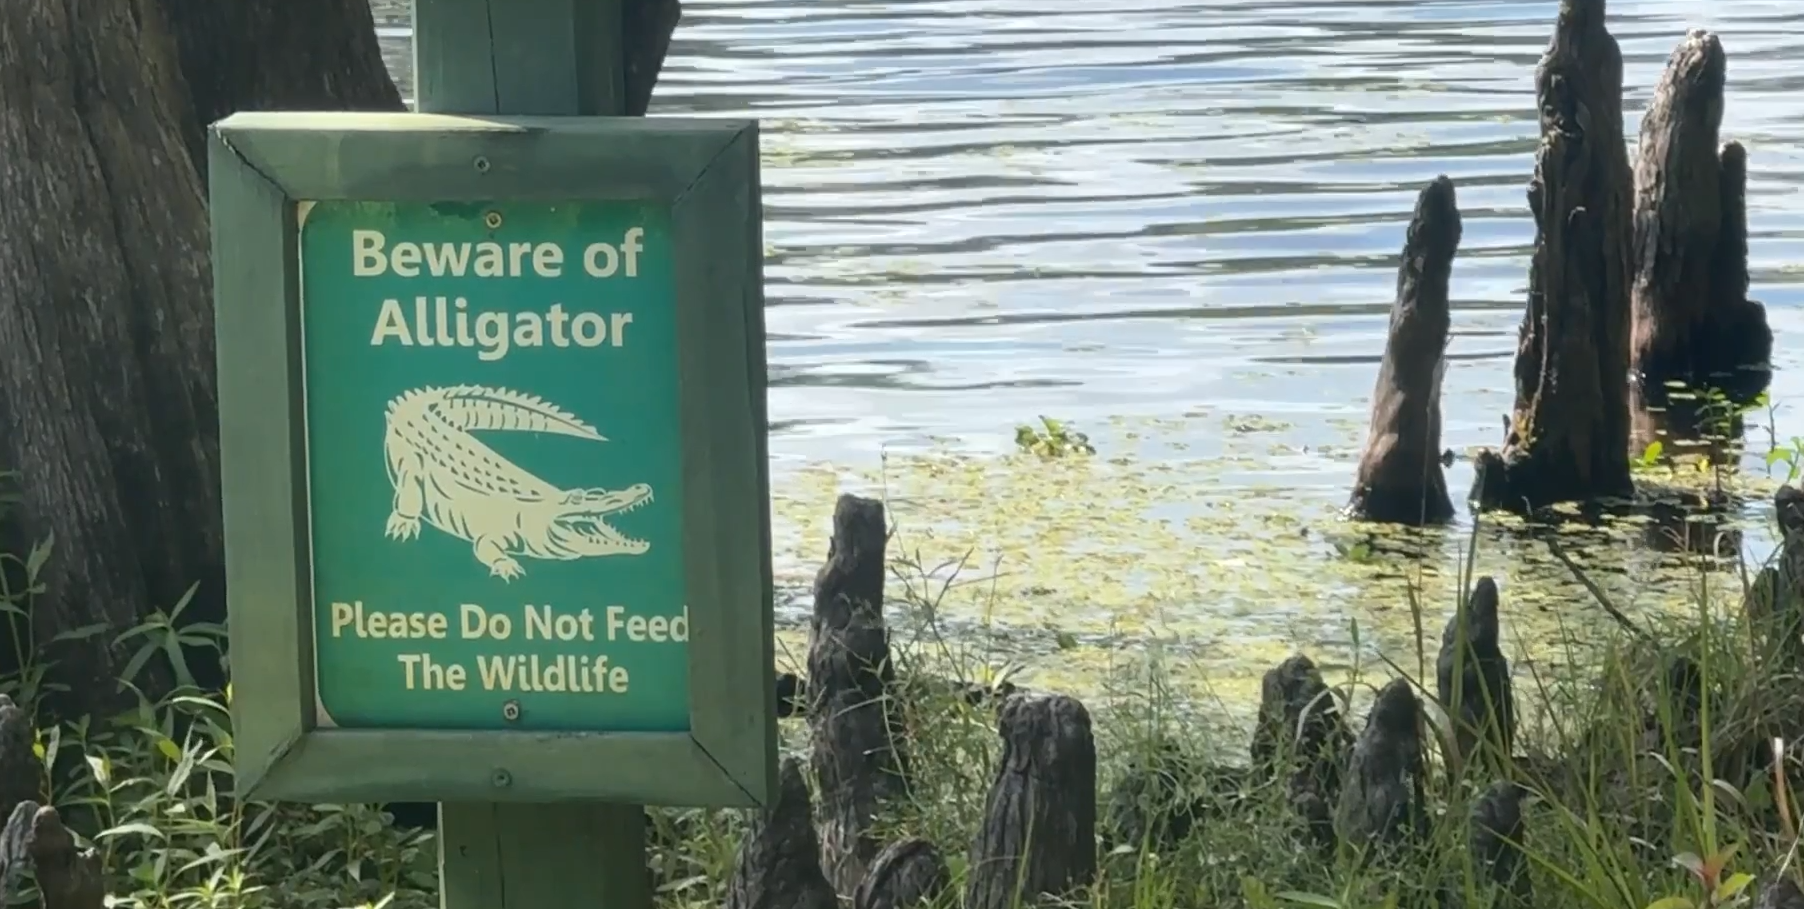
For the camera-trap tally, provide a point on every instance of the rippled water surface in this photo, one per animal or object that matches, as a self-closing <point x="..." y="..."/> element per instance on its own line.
<point x="1175" y="224"/>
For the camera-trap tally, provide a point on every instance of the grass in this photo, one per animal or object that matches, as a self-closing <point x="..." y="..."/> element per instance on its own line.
<point x="1643" y="803"/>
<point x="1634" y="830"/>
<point x="1624" y="819"/>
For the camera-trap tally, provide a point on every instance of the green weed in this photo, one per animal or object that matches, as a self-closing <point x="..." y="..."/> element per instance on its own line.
<point x="1052" y="439"/>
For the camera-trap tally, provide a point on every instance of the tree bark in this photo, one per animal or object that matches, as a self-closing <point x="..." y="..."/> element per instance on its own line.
<point x="1701" y="347"/>
<point x="68" y="877"/>
<point x="21" y="773"/>
<point x="778" y="864"/>
<point x="1472" y="683"/>
<point x="1400" y="472"/>
<point x="906" y="874"/>
<point x="860" y="759"/>
<point x="107" y="402"/>
<point x="273" y="55"/>
<point x="1774" y="602"/>
<point x="1038" y="840"/>
<point x="1569" y="434"/>
<point x="646" y="29"/>
<point x="1779" y="893"/>
<point x="1494" y="838"/>
<point x="107" y="396"/>
<point x="1381" y="799"/>
<point x="1300" y="738"/>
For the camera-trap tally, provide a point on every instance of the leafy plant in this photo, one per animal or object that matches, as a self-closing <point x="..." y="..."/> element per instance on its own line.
<point x="1717" y="890"/>
<point x="1052" y="439"/>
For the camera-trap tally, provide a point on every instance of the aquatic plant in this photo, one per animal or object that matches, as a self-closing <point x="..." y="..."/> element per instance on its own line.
<point x="1052" y="439"/>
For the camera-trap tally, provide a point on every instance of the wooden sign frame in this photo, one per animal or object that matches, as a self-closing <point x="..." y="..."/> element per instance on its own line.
<point x="262" y="165"/>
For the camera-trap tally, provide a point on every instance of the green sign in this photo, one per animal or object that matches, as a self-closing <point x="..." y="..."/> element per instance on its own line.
<point x="493" y="458"/>
<point x="495" y="466"/>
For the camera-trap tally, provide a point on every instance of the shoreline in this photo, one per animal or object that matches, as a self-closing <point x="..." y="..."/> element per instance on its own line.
<point x="1163" y="790"/>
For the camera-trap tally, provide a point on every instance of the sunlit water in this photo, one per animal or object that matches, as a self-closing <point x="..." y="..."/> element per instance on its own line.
<point x="1174" y="224"/>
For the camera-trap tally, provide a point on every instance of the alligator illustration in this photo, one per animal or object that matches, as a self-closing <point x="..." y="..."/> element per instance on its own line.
<point x="444" y="474"/>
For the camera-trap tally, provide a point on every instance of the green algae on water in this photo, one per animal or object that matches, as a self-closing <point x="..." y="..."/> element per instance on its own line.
<point x="1068" y="565"/>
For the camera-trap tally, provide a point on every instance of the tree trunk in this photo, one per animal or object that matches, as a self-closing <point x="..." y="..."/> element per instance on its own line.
<point x="646" y="28"/>
<point x="1701" y="347"/>
<point x="1569" y="434"/>
<point x="107" y="397"/>
<point x="276" y="55"/>
<point x="1400" y="471"/>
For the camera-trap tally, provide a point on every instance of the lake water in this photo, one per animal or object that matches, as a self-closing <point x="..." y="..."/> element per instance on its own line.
<point x="1175" y="225"/>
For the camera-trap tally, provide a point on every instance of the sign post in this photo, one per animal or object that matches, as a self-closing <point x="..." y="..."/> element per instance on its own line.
<point x="494" y="459"/>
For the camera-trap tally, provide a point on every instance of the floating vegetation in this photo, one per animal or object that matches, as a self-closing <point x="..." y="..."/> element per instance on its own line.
<point x="1052" y="439"/>
<point x="1237" y="423"/>
<point x="1067" y="566"/>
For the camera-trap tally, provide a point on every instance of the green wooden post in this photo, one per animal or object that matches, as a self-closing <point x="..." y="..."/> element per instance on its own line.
<point x="547" y="58"/>
<point x="524" y="57"/>
<point x="509" y="856"/>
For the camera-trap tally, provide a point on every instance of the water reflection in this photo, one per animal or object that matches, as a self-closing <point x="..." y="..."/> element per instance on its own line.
<point x="983" y="210"/>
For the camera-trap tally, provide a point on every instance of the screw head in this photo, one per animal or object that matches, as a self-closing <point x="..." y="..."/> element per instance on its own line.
<point x="492" y="220"/>
<point x="501" y="779"/>
<point x="510" y="711"/>
<point x="482" y="164"/>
